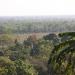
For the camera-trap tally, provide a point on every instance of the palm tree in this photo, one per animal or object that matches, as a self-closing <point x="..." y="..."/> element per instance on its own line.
<point x="62" y="57"/>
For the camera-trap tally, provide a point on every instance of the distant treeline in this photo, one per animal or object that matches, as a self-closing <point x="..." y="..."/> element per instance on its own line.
<point x="31" y="25"/>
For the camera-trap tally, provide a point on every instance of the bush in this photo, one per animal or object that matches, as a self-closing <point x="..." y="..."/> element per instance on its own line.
<point x="7" y="66"/>
<point x="24" y="68"/>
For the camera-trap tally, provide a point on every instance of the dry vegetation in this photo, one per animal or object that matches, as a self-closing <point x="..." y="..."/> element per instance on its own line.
<point x="22" y="37"/>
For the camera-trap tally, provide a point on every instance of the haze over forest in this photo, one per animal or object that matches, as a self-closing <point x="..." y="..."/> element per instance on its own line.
<point x="37" y="24"/>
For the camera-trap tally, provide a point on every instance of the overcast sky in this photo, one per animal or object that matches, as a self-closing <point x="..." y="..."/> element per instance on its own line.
<point x="36" y="7"/>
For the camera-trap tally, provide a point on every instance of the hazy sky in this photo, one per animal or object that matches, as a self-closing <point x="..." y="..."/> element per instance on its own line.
<point x="36" y="7"/>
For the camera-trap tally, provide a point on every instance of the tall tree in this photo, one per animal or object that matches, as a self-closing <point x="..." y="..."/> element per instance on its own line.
<point x="62" y="57"/>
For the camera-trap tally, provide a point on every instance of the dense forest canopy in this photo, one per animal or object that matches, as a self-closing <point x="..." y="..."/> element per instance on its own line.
<point x="36" y="24"/>
<point x="48" y="49"/>
<point x="53" y="54"/>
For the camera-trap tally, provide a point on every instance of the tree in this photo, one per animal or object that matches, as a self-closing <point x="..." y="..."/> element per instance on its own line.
<point x="2" y="29"/>
<point x="45" y="47"/>
<point x="32" y="42"/>
<point x="53" y="38"/>
<point x="7" y="66"/>
<point x="62" y="57"/>
<point x="24" y="68"/>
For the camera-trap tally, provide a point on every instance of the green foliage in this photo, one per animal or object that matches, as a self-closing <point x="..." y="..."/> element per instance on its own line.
<point x="16" y="59"/>
<point x="62" y="56"/>
<point x="72" y="34"/>
<point x="67" y="36"/>
<point x="18" y="67"/>
<point x="27" y="44"/>
<point x="45" y="47"/>
<point x="7" y="66"/>
<point x="24" y="68"/>
<point x="34" y="50"/>
<point x="52" y="38"/>
<point x="19" y="52"/>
